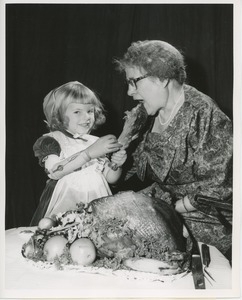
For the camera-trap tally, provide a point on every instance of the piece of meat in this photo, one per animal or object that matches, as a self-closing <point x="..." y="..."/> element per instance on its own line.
<point x="134" y="122"/>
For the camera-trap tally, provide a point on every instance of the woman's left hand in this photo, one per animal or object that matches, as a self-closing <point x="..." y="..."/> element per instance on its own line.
<point x="119" y="158"/>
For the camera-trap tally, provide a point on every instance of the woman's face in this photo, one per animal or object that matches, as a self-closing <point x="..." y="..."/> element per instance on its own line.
<point x="150" y="91"/>
<point x="81" y="118"/>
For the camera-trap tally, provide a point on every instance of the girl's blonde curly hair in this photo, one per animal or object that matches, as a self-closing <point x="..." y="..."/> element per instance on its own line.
<point x="57" y="101"/>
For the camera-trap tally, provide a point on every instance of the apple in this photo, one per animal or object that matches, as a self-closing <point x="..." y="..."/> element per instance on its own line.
<point x="83" y="252"/>
<point x="54" y="247"/>
<point x="46" y="223"/>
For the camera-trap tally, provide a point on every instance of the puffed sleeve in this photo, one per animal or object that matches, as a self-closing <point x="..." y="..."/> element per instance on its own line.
<point x="45" y="146"/>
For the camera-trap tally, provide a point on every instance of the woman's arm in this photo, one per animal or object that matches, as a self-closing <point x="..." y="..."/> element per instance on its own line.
<point x="210" y="137"/>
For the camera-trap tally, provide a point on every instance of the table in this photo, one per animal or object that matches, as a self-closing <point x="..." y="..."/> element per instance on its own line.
<point x="25" y="279"/>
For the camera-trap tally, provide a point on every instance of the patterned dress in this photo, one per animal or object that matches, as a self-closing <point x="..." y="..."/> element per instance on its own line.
<point x="81" y="186"/>
<point x="193" y="158"/>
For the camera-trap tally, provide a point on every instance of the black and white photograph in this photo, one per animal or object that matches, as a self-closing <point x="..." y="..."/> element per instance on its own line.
<point x="121" y="149"/>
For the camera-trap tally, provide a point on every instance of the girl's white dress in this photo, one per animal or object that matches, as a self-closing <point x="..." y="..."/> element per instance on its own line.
<point x="83" y="185"/>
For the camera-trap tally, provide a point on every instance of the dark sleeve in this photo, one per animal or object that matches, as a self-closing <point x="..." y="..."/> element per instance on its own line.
<point x="212" y="138"/>
<point x="45" y="146"/>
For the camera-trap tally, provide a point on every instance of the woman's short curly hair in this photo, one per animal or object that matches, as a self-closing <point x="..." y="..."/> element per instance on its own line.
<point x="57" y="101"/>
<point x="157" y="58"/>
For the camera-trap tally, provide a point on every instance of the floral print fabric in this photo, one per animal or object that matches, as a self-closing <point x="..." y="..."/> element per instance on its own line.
<point x="192" y="157"/>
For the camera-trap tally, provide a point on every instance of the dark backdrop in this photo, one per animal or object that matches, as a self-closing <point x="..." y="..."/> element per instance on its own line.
<point x="50" y="44"/>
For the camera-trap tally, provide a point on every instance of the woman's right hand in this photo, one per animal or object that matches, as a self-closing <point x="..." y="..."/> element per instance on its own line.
<point x="104" y="145"/>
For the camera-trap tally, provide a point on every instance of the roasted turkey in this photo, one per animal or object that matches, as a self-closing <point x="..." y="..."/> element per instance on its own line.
<point x="131" y="228"/>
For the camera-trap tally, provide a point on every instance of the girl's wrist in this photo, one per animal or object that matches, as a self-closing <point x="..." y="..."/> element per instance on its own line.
<point x="86" y="155"/>
<point x="116" y="168"/>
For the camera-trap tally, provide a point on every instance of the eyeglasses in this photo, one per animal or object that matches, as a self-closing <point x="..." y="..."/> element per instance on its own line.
<point x="133" y="81"/>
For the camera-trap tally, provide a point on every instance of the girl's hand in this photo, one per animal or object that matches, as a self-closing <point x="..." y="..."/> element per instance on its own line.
<point x="104" y="145"/>
<point x="119" y="158"/>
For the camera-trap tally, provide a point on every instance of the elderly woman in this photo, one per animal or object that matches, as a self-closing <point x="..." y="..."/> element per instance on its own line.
<point x="186" y="149"/>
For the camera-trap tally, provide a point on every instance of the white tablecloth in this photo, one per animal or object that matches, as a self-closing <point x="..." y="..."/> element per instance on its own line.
<point x="24" y="279"/>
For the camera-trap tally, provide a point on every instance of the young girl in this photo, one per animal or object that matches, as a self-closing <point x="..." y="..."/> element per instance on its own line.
<point x="74" y="160"/>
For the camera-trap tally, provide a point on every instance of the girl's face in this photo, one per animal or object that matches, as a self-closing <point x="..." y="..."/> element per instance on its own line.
<point x="150" y="91"/>
<point x="81" y="117"/>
